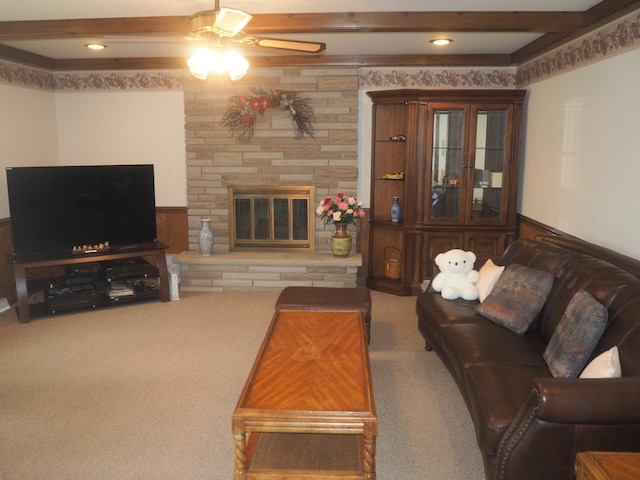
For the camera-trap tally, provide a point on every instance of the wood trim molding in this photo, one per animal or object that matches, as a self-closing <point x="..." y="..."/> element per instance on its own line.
<point x="530" y="228"/>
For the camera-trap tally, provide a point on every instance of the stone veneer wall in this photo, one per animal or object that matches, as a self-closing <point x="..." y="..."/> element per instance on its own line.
<point x="273" y="156"/>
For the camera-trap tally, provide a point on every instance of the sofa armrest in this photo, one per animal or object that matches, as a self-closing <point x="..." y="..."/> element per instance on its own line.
<point x="560" y="415"/>
<point x="588" y="401"/>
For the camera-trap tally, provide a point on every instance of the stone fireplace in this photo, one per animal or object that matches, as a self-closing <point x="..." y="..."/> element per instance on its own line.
<point x="272" y="158"/>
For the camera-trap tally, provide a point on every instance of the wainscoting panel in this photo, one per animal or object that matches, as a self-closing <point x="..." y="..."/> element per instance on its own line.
<point x="171" y="226"/>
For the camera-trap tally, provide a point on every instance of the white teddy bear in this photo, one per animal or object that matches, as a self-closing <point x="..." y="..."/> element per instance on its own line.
<point x="457" y="276"/>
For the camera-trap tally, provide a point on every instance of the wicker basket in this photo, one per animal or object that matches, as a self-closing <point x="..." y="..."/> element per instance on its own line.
<point x="392" y="263"/>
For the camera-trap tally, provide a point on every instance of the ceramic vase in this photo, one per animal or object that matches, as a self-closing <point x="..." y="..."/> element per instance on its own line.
<point x="205" y="237"/>
<point x="341" y="241"/>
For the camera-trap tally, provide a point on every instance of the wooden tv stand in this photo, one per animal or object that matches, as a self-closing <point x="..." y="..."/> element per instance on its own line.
<point x="22" y="263"/>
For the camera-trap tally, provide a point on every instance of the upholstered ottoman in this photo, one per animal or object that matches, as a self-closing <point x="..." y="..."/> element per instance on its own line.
<point x="328" y="298"/>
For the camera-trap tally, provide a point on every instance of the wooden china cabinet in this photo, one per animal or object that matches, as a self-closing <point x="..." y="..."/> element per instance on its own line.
<point x="451" y="156"/>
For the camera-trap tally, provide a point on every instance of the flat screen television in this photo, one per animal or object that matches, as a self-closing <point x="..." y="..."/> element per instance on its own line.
<point x="54" y="209"/>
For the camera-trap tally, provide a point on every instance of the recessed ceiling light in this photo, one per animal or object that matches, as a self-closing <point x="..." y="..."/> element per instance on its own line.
<point x="95" y="46"/>
<point x="441" y="41"/>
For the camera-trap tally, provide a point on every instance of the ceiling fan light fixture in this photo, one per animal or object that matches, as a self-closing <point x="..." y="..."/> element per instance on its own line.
<point x="237" y="65"/>
<point x="440" y="41"/>
<point x="218" y="60"/>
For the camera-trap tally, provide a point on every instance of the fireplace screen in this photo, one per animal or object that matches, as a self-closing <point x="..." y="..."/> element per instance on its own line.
<point x="271" y="218"/>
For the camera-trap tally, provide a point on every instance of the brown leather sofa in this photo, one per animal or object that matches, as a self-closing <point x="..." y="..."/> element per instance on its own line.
<point x="528" y="424"/>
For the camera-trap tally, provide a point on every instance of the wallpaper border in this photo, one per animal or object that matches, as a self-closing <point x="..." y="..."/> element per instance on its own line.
<point x="18" y="75"/>
<point x="438" y="78"/>
<point x="612" y="39"/>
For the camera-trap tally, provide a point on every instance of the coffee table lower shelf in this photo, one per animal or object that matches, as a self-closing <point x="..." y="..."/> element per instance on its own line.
<point x="304" y="455"/>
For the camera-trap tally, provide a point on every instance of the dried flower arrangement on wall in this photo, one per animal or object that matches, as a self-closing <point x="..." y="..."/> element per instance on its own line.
<point x="242" y="113"/>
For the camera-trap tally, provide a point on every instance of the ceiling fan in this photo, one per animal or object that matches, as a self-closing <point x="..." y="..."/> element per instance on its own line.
<point x="227" y="23"/>
<point x="216" y="28"/>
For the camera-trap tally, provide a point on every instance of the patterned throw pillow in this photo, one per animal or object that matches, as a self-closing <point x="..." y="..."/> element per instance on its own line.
<point x="517" y="298"/>
<point x="576" y="336"/>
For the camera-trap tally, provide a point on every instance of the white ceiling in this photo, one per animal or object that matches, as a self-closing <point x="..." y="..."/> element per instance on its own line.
<point x="337" y="43"/>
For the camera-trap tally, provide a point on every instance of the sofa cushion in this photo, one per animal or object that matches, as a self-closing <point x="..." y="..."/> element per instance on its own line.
<point x="517" y="298"/>
<point x="434" y="312"/>
<point x="576" y="336"/>
<point x="484" y="342"/>
<point x="605" y="365"/>
<point x="489" y="274"/>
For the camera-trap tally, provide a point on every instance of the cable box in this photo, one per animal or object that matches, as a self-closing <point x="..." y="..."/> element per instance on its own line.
<point x="70" y="299"/>
<point x="127" y="267"/>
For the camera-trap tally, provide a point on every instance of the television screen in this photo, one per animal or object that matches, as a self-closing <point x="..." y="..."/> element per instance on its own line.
<point x="59" y="208"/>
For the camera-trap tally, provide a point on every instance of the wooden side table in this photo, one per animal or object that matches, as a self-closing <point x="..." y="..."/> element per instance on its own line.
<point x="607" y="466"/>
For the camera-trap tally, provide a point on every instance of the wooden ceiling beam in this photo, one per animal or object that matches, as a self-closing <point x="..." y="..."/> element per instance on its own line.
<point x="178" y="63"/>
<point x="94" y="27"/>
<point x="26" y="58"/>
<point x="414" y="22"/>
<point x="267" y="24"/>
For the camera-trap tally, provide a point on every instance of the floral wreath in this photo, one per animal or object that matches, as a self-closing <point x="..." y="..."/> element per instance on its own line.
<point x="240" y="117"/>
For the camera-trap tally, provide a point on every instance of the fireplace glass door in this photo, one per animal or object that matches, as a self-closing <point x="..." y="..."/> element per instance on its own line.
<point x="271" y="218"/>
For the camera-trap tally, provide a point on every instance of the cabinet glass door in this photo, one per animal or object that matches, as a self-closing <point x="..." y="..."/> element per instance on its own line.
<point x="489" y="162"/>
<point x="447" y="164"/>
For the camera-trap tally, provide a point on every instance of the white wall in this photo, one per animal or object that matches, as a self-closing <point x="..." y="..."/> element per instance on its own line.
<point x="28" y="133"/>
<point x="581" y="158"/>
<point x="127" y="128"/>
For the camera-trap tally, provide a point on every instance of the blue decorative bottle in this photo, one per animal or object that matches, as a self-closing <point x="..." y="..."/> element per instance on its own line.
<point x="395" y="210"/>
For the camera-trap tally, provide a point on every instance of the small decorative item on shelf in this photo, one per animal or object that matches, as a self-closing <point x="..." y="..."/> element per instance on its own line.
<point x="341" y="212"/>
<point x="205" y="237"/>
<point x="398" y="138"/>
<point x="393" y="176"/>
<point x="91" y="248"/>
<point x="395" y="210"/>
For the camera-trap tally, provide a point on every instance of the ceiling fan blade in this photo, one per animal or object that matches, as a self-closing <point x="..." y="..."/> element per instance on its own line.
<point x="283" y="44"/>
<point x="229" y="22"/>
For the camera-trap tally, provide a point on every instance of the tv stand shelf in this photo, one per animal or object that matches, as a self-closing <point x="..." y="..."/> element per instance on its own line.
<point x="22" y="263"/>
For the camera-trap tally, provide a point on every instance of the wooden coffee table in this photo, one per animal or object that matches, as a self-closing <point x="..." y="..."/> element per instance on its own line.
<point x="307" y="408"/>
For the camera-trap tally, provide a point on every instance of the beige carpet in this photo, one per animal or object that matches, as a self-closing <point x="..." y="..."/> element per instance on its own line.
<point x="147" y="391"/>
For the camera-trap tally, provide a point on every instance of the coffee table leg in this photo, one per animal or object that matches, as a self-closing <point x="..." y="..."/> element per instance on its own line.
<point x="240" y="450"/>
<point x="369" y="454"/>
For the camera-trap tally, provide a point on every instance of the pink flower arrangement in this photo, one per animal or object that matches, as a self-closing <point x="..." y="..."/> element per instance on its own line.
<point x="344" y="210"/>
